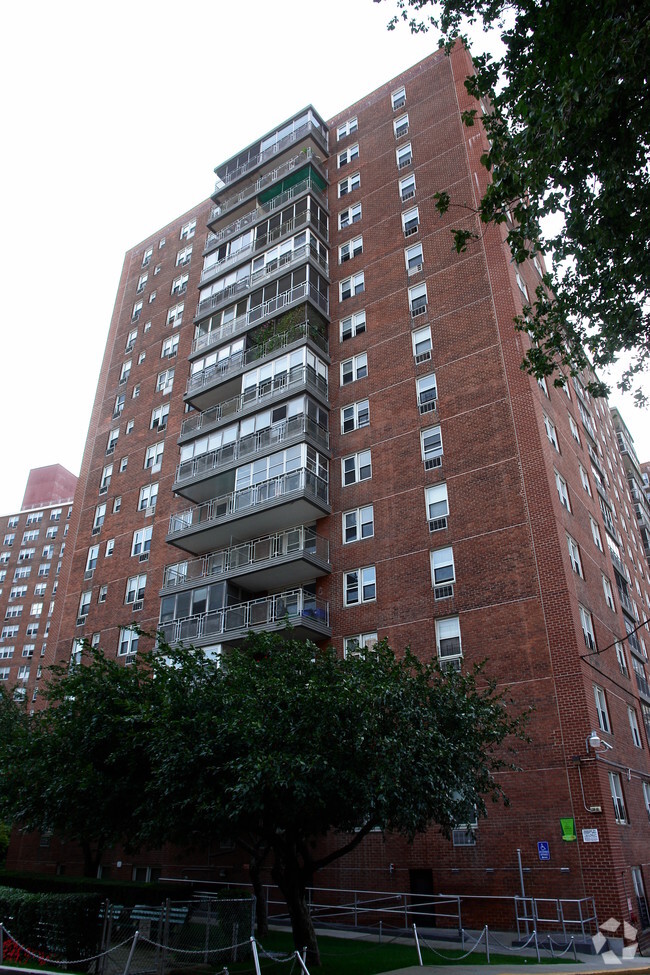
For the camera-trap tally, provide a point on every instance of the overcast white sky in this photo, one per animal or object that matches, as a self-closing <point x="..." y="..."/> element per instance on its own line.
<point x="114" y="117"/>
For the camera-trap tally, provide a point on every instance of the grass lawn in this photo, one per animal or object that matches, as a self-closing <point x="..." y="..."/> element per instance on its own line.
<point x="342" y="956"/>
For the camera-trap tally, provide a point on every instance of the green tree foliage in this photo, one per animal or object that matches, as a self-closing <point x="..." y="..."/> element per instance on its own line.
<point x="566" y="112"/>
<point x="76" y="768"/>
<point x="288" y="745"/>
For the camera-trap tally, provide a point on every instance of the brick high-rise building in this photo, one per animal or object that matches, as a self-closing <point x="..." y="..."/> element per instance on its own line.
<point x="311" y="405"/>
<point x="33" y="543"/>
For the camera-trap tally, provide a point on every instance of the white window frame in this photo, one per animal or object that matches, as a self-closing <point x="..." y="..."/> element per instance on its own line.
<point x="351" y="248"/>
<point x="349" y="184"/>
<point x="562" y="491"/>
<point x="358" y="465"/>
<point x="431" y="455"/>
<point x="414" y="258"/>
<point x="352" y="286"/>
<point x="422" y="344"/>
<point x="350" y="216"/>
<point x="587" y="623"/>
<point x="618" y="799"/>
<point x="354" y="368"/>
<point x="574" y="556"/>
<point x="358" y="524"/>
<point x="398" y="98"/>
<point x="609" y="593"/>
<point x="411" y="221"/>
<point x="135" y="588"/>
<point x="361" y="581"/>
<point x="404" y="155"/>
<point x="352" y="325"/>
<point x="634" y="727"/>
<point x="407" y="187"/>
<point x="602" y="711"/>
<point x="355" y="416"/>
<point x="348" y="155"/>
<point x="426" y="388"/>
<point x="401" y="126"/>
<point x="448" y="629"/>
<point x="551" y="432"/>
<point x="595" y="534"/>
<point x="584" y="477"/>
<point x="360" y="641"/>
<point x="418" y="300"/>
<point x="188" y="230"/>
<point x="436" y="500"/>
<point x="141" y="543"/>
<point x="347" y="128"/>
<point x="443" y="572"/>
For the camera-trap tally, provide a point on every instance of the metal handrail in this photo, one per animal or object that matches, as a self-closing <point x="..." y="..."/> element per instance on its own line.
<point x="296" y="162"/>
<point x="305" y="129"/>
<point x="270" y="307"/>
<point x="264" y="208"/>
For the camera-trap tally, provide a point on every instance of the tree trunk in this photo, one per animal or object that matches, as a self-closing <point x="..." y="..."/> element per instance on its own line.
<point x="261" y="918"/>
<point x="91" y="860"/>
<point x="288" y="878"/>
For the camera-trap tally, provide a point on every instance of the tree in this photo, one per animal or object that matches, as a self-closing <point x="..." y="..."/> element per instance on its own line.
<point x="77" y="767"/>
<point x="288" y="745"/>
<point x="565" y="109"/>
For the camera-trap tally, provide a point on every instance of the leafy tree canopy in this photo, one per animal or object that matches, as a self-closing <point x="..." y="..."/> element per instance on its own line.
<point x="565" y="109"/>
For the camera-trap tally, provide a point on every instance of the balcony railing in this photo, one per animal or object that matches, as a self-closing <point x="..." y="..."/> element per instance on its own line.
<point x="280" y="433"/>
<point x="296" y="162"/>
<point x="616" y="561"/>
<point x="300" y="133"/>
<point x="294" y="606"/>
<point x="642" y="684"/>
<point x="302" y="220"/>
<point x="633" y="640"/>
<point x="284" y="262"/>
<point x="256" y="395"/>
<point x="265" y="208"/>
<point x="240" y="360"/>
<point x="248" y="555"/>
<point x="256" y="496"/>
<point x="625" y="600"/>
<point x="286" y="299"/>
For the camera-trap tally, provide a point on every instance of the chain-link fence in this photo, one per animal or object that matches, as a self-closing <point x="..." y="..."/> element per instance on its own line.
<point x="176" y="934"/>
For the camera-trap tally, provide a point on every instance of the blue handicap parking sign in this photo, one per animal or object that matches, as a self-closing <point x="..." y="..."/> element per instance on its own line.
<point x="543" y="850"/>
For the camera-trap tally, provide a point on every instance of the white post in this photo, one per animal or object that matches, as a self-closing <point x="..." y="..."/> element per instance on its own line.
<point x="301" y="963"/>
<point x="255" y="957"/>
<point x="130" y="958"/>
<point x="487" y="945"/>
<point x="537" y="944"/>
<point x="417" y="944"/>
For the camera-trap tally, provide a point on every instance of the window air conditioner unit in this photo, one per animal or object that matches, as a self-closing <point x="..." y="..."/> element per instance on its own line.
<point x="89" y="573"/>
<point x="110" y="449"/>
<point x="415" y="269"/>
<point x="137" y="605"/>
<point x="144" y="557"/>
<point x="96" y="530"/>
<point x="150" y="511"/>
<point x="103" y="490"/>
<point x="81" y="620"/>
<point x="123" y="380"/>
<point x="156" y="467"/>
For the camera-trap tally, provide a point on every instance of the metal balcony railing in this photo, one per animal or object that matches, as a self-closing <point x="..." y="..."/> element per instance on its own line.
<point x="249" y="555"/>
<point x="625" y="600"/>
<point x="280" y="433"/>
<point x="633" y="640"/>
<point x="256" y="395"/>
<point x="285" y="262"/>
<point x="295" y="605"/>
<point x="256" y="496"/>
<point x="300" y="133"/>
<point x="296" y="162"/>
<point x="303" y="220"/>
<point x="642" y="684"/>
<point x="265" y="208"/>
<point x="240" y="360"/>
<point x="287" y="299"/>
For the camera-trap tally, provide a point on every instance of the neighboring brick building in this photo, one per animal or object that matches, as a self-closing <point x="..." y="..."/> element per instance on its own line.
<point x="33" y="543"/>
<point x="360" y="449"/>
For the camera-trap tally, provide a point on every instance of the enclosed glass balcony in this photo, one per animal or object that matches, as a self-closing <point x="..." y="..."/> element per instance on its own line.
<point x="277" y="503"/>
<point x="304" y="165"/>
<point x="305" y="613"/>
<point x="284" y="559"/>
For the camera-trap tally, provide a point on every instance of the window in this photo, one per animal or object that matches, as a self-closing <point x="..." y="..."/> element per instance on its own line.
<point x="646" y="797"/>
<point x="118" y="409"/>
<point x="562" y="490"/>
<point x="4" y="673"/>
<point x="146" y="257"/>
<point x="404" y="156"/>
<point x="107" y="473"/>
<point x="175" y="315"/>
<point x="28" y="536"/>
<point x="84" y="603"/>
<point x="169" y="347"/>
<point x="128" y="643"/>
<point x="422" y="344"/>
<point x="431" y="445"/>
<point x="595" y="533"/>
<point x="112" y="440"/>
<point x="443" y="573"/>
<point x="353" y="325"/>
<point x="44" y="569"/>
<point x="36" y="609"/>
<point x="521" y="284"/>
<point x="427" y="392"/>
<point x="137" y="311"/>
<point x="26" y="554"/>
<point x="352" y="286"/>
<point x="184" y="256"/>
<point x="401" y="126"/>
<point x="159" y="417"/>
<point x="129" y="427"/>
<point x="152" y="298"/>
<point x="148" y="496"/>
<point x="352" y="644"/>
<point x="188" y="229"/>
<point x="10" y="536"/>
<point x="142" y="541"/>
<point x="621" y="659"/>
<point x="398" y="98"/>
<point x="634" y="728"/>
<point x="161" y="243"/>
<point x="407" y="188"/>
<point x="355" y="416"/>
<point x="418" y="300"/>
<point x="35" y="518"/>
<point x="359" y="586"/>
<point x="13" y="522"/>
<point x="541" y="382"/>
<point x="348" y="155"/>
<point x="350" y="249"/>
<point x="609" y="595"/>
<point x="91" y="560"/>
<point x="179" y="284"/>
<point x="165" y="381"/>
<point x="349" y="216"/>
<point x="414" y="259"/>
<point x="448" y="644"/>
<point x="157" y="269"/>
<point x="347" y="128"/>
<point x="601" y="709"/>
<point x="110" y="546"/>
<point x="124" y="464"/>
<point x="135" y="587"/>
<point x="587" y="629"/>
<point x="551" y="432"/>
<point x="32" y="629"/>
<point x="617" y="797"/>
<point x="17" y="592"/>
<point x="358" y="524"/>
<point x="153" y="456"/>
<point x="117" y="504"/>
<point x="356" y="467"/>
<point x="355" y="368"/>
<point x="131" y="339"/>
<point x="349" y="184"/>
<point x="574" y="556"/>
<point x="410" y="221"/>
<point x="585" y="479"/>
<point x="575" y="433"/>
<point x="142" y="280"/>
<point x="437" y="505"/>
<point x="23" y="672"/>
<point x="100" y="515"/>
